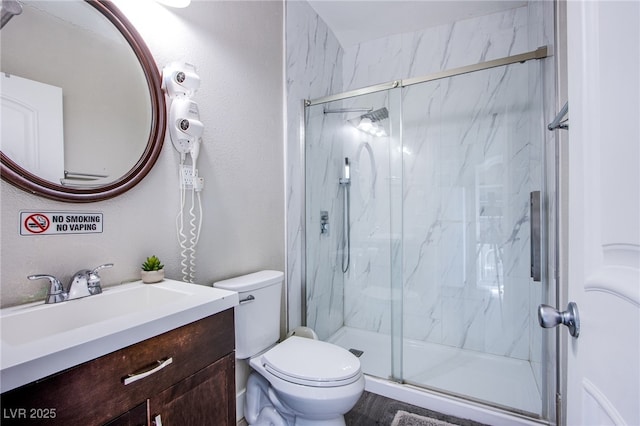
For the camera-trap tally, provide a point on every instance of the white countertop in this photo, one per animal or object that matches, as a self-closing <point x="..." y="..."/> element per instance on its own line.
<point x="38" y="340"/>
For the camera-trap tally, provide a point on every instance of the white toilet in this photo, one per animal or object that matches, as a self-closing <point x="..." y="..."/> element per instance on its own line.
<point x="299" y="381"/>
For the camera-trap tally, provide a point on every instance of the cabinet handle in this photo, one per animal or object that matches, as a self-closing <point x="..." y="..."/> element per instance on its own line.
<point x="154" y="368"/>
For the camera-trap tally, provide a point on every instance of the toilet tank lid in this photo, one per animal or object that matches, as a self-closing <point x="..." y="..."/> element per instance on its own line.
<point x="251" y="282"/>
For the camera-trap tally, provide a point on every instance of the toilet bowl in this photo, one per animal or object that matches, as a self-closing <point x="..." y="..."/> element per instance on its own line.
<point x="313" y="379"/>
<point x="300" y="381"/>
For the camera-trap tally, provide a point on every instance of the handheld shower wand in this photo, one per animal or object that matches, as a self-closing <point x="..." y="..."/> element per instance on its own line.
<point x="346" y="178"/>
<point x="345" y="183"/>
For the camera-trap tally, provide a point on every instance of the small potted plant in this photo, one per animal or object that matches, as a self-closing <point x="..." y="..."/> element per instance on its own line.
<point x="152" y="270"/>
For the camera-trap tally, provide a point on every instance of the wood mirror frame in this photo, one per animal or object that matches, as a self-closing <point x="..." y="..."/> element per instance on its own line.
<point x="16" y="175"/>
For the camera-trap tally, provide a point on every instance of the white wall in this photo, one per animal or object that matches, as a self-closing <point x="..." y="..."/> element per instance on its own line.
<point x="237" y="48"/>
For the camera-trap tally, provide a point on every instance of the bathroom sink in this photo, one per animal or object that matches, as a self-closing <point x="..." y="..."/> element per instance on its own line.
<point x="41" y="339"/>
<point x="36" y="322"/>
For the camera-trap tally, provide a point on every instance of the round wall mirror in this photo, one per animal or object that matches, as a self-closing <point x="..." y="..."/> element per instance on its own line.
<point x="83" y="112"/>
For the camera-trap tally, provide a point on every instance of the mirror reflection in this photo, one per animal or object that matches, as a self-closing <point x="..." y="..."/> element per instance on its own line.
<point x="76" y="106"/>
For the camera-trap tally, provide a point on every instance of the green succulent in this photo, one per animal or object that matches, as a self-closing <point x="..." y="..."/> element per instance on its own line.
<point x="152" y="264"/>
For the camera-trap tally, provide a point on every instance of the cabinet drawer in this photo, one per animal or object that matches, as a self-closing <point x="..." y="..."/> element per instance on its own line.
<point x="94" y="392"/>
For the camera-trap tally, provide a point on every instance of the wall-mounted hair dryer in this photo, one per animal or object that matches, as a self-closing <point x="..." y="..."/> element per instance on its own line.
<point x="185" y="127"/>
<point x="180" y="79"/>
<point x="180" y="82"/>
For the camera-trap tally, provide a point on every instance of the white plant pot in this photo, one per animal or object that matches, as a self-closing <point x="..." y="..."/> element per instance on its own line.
<point x="150" y="277"/>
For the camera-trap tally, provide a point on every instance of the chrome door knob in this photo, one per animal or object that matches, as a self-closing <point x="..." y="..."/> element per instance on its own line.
<point x="550" y="317"/>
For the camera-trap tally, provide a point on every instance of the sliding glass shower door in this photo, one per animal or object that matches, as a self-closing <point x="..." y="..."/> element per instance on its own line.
<point x="473" y="149"/>
<point x="432" y="220"/>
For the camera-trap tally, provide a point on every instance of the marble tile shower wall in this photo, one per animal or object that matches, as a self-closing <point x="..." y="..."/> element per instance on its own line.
<point x="435" y="49"/>
<point x="313" y="70"/>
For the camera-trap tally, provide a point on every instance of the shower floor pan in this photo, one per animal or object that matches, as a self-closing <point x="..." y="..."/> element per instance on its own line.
<point x="498" y="380"/>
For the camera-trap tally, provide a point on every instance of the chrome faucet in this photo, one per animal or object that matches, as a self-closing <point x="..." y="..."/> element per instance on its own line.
<point x="85" y="282"/>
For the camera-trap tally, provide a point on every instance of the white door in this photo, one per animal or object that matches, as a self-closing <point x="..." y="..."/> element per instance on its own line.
<point x="32" y="128"/>
<point x="603" y="382"/>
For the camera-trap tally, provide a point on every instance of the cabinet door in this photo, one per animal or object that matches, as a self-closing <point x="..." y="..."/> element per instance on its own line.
<point x="135" y="417"/>
<point x="205" y="398"/>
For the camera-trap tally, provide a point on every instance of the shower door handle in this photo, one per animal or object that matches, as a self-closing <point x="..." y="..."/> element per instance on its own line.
<point x="550" y="317"/>
<point x="535" y="223"/>
<point x="536" y="254"/>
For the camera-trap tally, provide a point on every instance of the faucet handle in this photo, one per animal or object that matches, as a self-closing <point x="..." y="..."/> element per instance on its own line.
<point x="94" y="279"/>
<point x="97" y="268"/>
<point x="56" y="291"/>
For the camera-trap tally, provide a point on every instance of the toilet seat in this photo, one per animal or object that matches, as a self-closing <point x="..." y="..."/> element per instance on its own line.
<point x="312" y="363"/>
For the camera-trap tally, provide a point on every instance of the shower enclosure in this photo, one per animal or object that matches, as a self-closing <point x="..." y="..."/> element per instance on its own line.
<point x="435" y="221"/>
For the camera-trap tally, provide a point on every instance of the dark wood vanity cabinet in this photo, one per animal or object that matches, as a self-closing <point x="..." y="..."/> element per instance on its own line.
<point x="192" y="383"/>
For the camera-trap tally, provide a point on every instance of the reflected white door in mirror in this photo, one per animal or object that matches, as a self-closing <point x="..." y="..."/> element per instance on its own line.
<point x="35" y="137"/>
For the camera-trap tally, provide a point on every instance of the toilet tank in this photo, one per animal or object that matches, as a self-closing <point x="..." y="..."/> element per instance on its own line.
<point x="257" y="317"/>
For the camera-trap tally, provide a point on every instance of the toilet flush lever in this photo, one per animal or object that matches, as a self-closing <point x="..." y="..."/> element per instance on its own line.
<point x="247" y="299"/>
<point x="550" y="317"/>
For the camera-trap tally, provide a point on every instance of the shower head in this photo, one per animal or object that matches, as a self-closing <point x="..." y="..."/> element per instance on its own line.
<point x="377" y="115"/>
<point x="369" y="122"/>
<point x="9" y="9"/>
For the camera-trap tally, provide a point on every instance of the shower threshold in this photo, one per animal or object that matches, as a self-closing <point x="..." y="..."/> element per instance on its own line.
<point x="498" y="380"/>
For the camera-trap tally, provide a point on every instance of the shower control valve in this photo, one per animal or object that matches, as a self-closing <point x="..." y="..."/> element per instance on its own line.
<point x="324" y="222"/>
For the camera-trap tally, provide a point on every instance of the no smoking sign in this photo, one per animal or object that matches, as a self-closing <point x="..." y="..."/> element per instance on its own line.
<point x="47" y="223"/>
